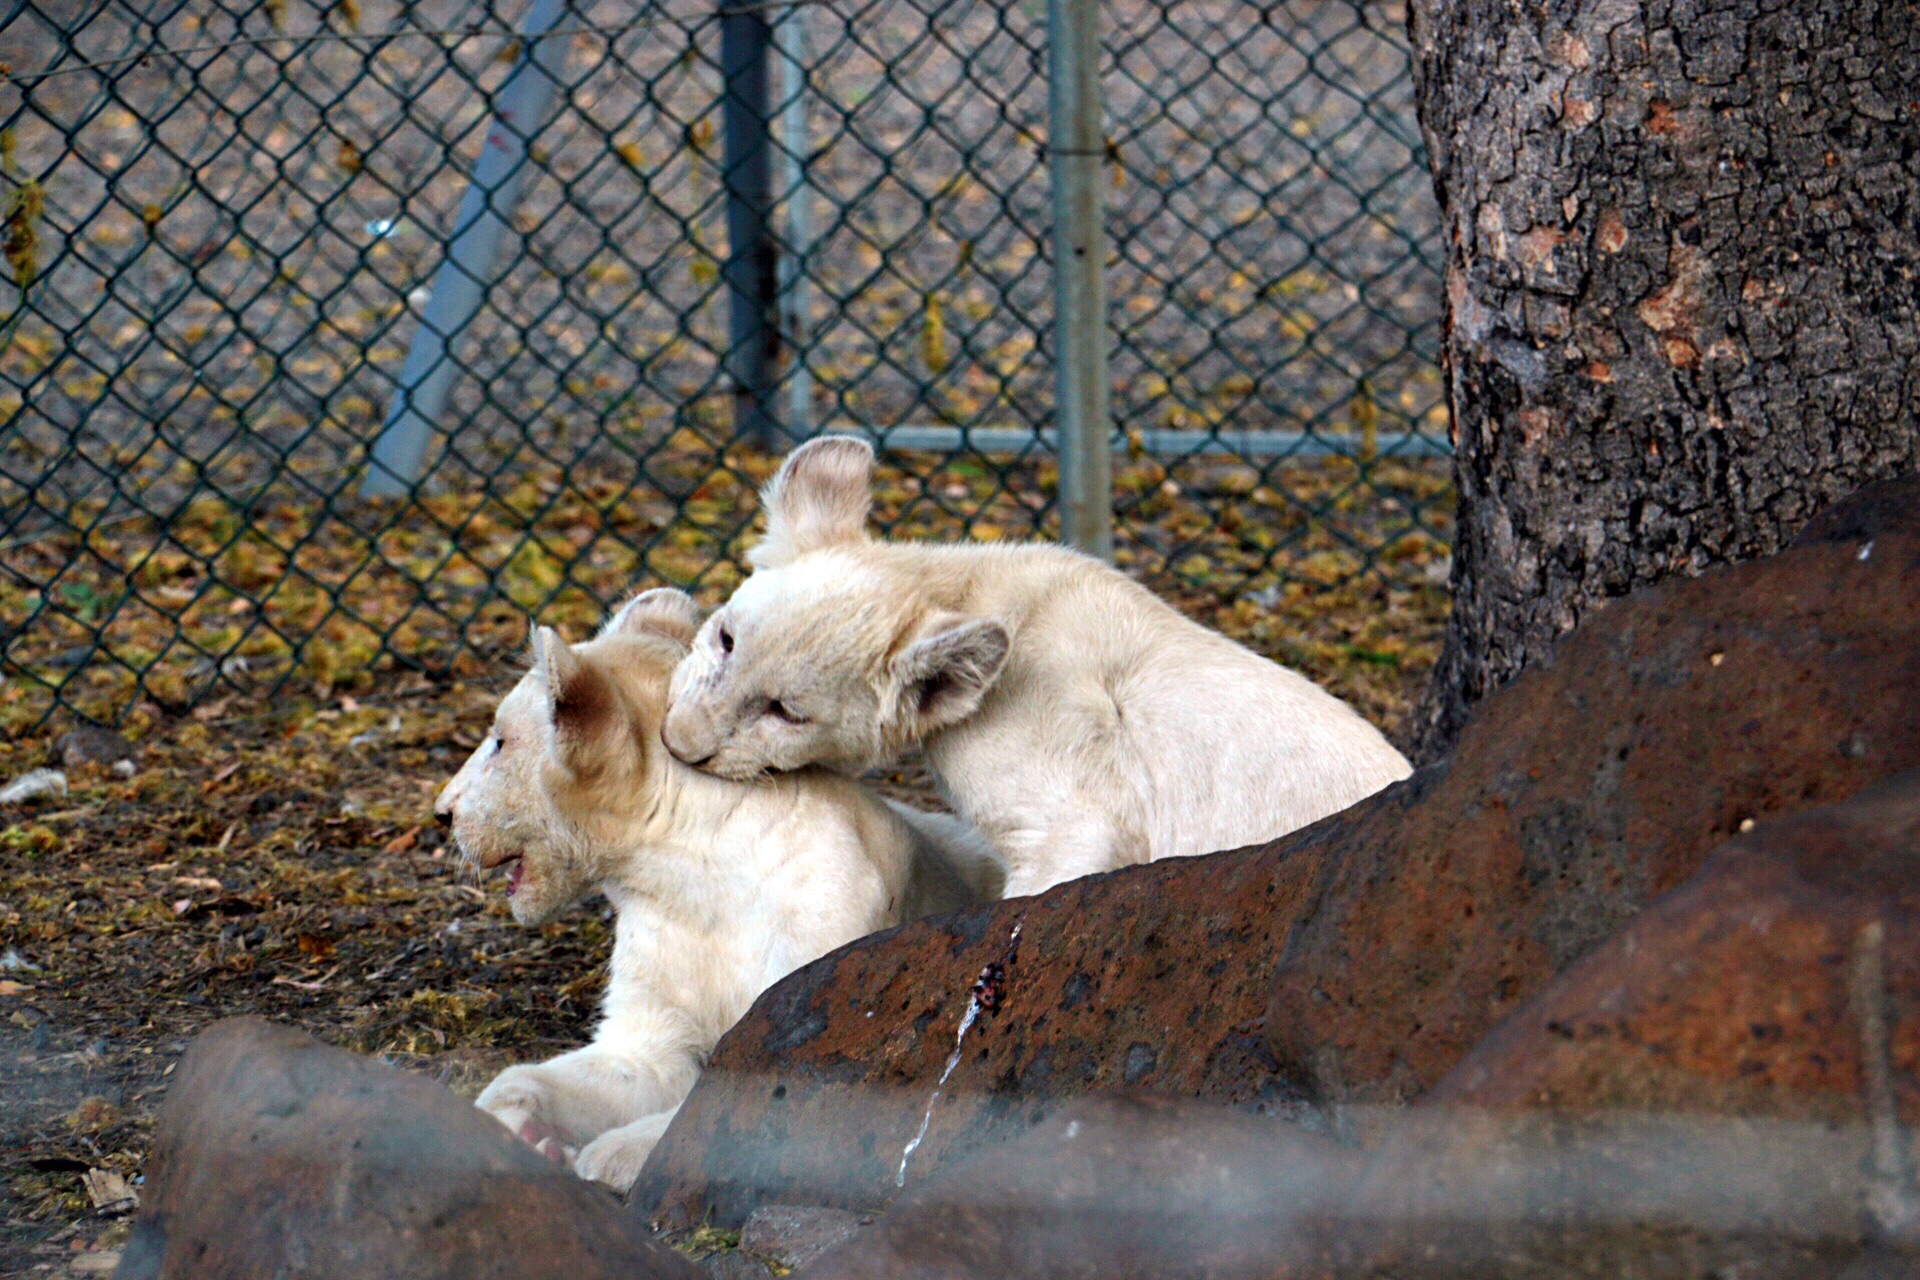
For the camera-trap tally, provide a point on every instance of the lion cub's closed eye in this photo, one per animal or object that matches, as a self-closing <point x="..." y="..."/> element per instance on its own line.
<point x="573" y="792"/>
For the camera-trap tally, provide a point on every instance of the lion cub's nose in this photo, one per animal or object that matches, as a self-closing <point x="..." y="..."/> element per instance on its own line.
<point x="444" y="813"/>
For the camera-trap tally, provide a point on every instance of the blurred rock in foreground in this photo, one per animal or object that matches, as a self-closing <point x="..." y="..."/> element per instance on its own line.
<point x="277" y="1155"/>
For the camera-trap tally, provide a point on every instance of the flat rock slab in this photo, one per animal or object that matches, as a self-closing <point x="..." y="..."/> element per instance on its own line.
<point x="1587" y="787"/>
<point x="1112" y="1188"/>
<point x="1729" y="1086"/>
<point x="276" y="1155"/>
<point x="1424" y="914"/>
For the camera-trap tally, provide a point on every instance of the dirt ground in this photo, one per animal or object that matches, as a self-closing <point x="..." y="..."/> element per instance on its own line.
<point x="273" y="861"/>
<point x="282" y="860"/>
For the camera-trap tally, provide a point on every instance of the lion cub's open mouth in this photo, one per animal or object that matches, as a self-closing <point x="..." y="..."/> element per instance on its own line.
<point x="514" y="864"/>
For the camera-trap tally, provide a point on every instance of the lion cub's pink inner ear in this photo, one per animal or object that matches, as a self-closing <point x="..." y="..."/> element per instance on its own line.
<point x="820" y="498"/>
<point x="948" y="668"/>
<point x="660" y="612"/>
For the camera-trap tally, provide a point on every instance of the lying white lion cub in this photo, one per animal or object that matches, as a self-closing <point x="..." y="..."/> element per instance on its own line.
<point x="1074" y="718"/>
<point x="721" y="888"/>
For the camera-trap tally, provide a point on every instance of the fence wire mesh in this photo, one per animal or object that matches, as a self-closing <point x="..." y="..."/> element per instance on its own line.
<point x="223" y="221"/>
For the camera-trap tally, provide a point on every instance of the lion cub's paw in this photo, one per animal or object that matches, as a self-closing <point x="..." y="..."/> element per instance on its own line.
<point x="519" y="1099"/>
<point x="615" y="1156"/>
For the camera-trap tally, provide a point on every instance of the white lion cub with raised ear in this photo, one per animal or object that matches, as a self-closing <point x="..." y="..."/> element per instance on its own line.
<point x="721" y="887"/>
<point x="1074" y="718"/>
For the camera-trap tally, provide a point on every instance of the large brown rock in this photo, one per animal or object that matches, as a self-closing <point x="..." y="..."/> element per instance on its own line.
<point x="1149" y="978"/>
<point x="276" y="1155"/>
<point x="1769" y="984"/>
<point x="1427" y="912"/>
<point x="1112" y="1188"/>
<point x="1729" y="1086"/>
<point x="1589" y="786"/>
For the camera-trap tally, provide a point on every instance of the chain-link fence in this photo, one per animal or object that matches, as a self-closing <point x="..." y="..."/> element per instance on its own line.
<point x="224" y="223"/>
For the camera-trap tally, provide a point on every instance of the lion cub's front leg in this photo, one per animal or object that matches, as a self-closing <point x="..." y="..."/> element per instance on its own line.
<point x="599" y="1112"/>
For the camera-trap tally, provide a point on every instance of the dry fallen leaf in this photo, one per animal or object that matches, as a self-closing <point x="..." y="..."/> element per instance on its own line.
<point x="110" y="1191"/>
<point x="402" y="843"/>
<point x="92" y="1112"/>
<point x="8" y="987"/>
<point x="299" y="986"/>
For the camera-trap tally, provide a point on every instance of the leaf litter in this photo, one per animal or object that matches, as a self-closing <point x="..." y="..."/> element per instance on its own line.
<point x="1336" y="565"/>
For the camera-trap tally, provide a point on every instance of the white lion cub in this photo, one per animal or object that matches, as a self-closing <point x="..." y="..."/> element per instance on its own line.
<point x="1074" y="718"/>
<point x="721" y="887"/>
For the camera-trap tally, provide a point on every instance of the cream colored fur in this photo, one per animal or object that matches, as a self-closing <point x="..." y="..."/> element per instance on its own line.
<point x="721" y="887"/>
<point x="1073" y="717"/>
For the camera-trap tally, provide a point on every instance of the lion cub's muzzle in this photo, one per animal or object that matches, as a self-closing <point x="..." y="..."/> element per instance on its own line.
<point x="687" y="739"/>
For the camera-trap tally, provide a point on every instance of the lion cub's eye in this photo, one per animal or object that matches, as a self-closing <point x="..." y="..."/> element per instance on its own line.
<point x="781" y="711"/>
<point x="726" y="640"/>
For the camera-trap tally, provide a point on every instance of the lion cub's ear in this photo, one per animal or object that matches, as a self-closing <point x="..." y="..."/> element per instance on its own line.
<point x="659" y="612"/>
<point x="945" y="671"/>
<point x="580" y="702"/>
<point x="819" y="499"/>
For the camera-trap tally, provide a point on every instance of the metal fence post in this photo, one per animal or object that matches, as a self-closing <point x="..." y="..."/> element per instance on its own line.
<point x="753" y="344"/>
<point x="797" y="242"/>
<point x="1076" y="151"/>
<point x="520" y="110"/>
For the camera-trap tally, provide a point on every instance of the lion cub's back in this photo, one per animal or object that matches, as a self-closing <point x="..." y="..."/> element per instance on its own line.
<point x="953" y="866"/>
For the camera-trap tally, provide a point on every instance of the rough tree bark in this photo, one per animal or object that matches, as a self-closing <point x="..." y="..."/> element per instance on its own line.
<point x="1681" y="293"/>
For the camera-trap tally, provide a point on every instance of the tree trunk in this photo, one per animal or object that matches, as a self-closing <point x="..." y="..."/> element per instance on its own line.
<point x="1681" y="293"/>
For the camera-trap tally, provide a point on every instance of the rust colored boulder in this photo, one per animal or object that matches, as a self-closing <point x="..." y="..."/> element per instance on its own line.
<point x="1783" y="979"/>
<point x="276" y="1155"/>
<point x="1729" y="1086"/>
<point x="825" y="1093"/>
<point x="1426" y="913"/>
<point x="1586" y="788"/>
<point x="1111" y="1188"/>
